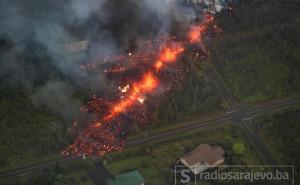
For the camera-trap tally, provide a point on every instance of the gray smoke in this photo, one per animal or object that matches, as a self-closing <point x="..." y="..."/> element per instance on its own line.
<point x="57" y="96"/>
<point x="38" y="31"/>
<point x="83" y="9"/>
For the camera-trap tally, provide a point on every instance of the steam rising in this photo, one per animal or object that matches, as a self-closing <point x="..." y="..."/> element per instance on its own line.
<point x="37" y="32"/>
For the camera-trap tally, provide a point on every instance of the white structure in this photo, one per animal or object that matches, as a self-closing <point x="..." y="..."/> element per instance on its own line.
<point x="203" y="157"/>
<point x="77" y="46"/>
<point x="212" y="6"/>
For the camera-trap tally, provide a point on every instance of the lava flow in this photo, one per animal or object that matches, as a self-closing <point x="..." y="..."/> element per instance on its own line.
<point x="106" y="130"/>
<point x="147" y="84"/>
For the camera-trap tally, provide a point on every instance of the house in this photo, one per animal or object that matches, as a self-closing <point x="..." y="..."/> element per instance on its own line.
<point x="203" y="158"/>
<point x="130" y="178"/>
<point x="74" y="47"/>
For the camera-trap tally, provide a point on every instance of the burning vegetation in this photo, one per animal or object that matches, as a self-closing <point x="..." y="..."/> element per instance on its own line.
<point x="140" y="78"/>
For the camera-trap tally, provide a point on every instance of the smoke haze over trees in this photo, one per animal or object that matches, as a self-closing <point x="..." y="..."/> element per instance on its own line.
<point x="33" y="35"/>
<point x="42" y="86"/>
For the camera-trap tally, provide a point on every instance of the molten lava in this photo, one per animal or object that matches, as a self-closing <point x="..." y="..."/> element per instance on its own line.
<point x="195" y="33"/>
<point x="106" y="129"/>
<point x="140" y="88"/>
<point x="168" y="54"/>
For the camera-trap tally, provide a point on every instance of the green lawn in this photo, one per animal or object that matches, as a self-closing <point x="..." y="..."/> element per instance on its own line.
<point x="153" y="160"/>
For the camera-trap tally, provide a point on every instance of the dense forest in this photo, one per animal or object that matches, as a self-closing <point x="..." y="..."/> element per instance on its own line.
<point x="197" y="95"/>
<point x="27" y="131"/>
<point x="34" y="95"/>
<point x="258" y="51"/>
<point x="257" y="54"/>
<point x="283" y="130"/>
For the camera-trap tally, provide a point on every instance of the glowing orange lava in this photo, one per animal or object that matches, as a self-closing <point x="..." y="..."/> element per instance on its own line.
<point x="168" y="54"/>
<point x="147" y="84"/>
<point x="103" y="133"/>
<point x="158" y="65"/>
<point x="195" y="33"/>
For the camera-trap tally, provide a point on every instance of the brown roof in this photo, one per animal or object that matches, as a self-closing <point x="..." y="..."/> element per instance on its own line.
<point x="204" y="153"/>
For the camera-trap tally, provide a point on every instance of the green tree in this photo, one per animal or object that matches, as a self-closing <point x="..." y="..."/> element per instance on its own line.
<point x="239" y="148"/>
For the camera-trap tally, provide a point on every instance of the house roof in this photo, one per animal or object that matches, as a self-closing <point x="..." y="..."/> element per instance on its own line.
<point x="205" y="154"/>
<point x="130" y="178"/>
<point x="77" y="46"/>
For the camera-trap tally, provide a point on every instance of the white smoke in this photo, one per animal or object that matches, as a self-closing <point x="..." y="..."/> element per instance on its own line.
<point x="54" y="23"/>
<point x="83" y="9"/>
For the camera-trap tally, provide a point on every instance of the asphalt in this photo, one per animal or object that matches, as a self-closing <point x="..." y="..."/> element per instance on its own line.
<point x="236" y="117"/>
<point x="238" y="114"/>
<point x="243" y="116"/>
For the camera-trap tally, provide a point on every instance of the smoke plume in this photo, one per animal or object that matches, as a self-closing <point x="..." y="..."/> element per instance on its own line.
<point x="35" y="36"/>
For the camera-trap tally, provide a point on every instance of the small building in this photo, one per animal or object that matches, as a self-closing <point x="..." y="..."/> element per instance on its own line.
<point x="203" y="158"/>
<point x="130" y="178"/>
<point x="77" y="46"/>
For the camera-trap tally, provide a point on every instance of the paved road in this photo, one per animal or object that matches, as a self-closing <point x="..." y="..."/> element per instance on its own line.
<point x="245" y="118"/>
<point x="238" y="114"/>
<point x="34" y="167"/>
<point x="260" y="147"/>
<point x="233" y="117"/>
<point x="174" y="132"/>
<point x="242" y="117"/>
<point x="239" y="117"/>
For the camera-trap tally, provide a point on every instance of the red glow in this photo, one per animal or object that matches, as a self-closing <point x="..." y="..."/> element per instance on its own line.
<point x="140" y="88"/>
<point x="170" y="54"/>
<point x="103" y="132"/>
<point x="195" y="33"/>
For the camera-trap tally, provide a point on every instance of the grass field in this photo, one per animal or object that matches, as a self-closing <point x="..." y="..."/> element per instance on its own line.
<point x="154" y="160"/>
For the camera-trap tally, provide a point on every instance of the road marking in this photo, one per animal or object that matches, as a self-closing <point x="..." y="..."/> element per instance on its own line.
<point x="259" y="110"/>
<point x="170" y="133"/>
<point x="274" y="107"/>
<point x="231" y="111"/>
<point x="246" y="124"/>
